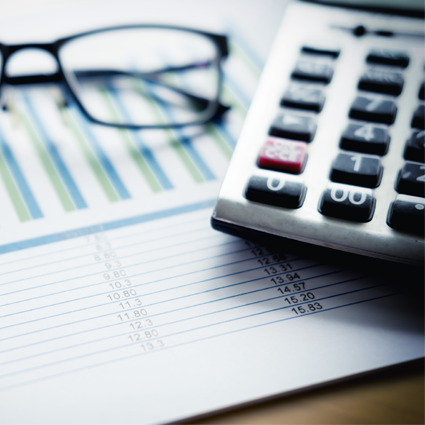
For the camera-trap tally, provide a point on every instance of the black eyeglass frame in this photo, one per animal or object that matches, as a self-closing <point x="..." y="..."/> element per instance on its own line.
<point x="8" y="50"/>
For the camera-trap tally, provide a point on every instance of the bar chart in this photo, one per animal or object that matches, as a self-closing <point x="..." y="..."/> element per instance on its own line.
<point x="54" y="161"/>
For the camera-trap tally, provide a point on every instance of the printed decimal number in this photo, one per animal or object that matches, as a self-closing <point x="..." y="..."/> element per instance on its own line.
<point x="287" y="288"/>
<point x="149" y="346"/>
<point x="306" y="296"/>
<point x="123" y="294"/>
<point x="143" y="335"/>
<point x="309" y="308"/>
<point x="135" y="314"/>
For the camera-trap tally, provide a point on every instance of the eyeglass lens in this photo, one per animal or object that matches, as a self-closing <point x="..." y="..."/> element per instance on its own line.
<point x="143" y="76"/>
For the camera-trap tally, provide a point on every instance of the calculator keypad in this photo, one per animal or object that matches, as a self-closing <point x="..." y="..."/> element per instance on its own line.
<point x="349" y="200"/>
<point x="354" y="170"/>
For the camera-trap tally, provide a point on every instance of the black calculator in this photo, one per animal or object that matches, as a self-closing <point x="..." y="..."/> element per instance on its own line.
<point x="332" y="149"/>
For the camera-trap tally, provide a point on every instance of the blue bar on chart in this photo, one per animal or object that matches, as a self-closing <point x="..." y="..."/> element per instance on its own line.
<point x="20" y="180"/>
<point x="101" y="155"/>
<point x="55" y="156"/>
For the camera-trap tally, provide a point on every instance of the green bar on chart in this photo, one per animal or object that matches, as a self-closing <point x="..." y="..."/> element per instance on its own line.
<point x="12" y="189"/>
<point x="175" y="144"/>
<point x="223" y="146"/>
<point x="244" y="57"/>
<point x="48" y="165"/>
<point x="134" y="153"/>
<point x="90" y="157"/>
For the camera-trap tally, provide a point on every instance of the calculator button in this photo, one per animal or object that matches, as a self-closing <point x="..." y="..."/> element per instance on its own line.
<point x="388" y="57"/>
<point x="357" y="170"/>
<point x="296" y="127"/>
<point x="414" y="149"/>
<point x="411" y="180"/>
<point x="312" y="71"/>
<point x="300" y="97"/>
<point x="421" y="93"/>
<point x="366" y="139"/>
<point x="276" y="190"/>
<point x="322" y="50"/>
<point x="347" y="202"/>
<point x="407" y="213"/>
<point x="381" y="81"/>
<point x="373" y="109"/>
<point x="418" y="120"/>
<point x="283" y="155"/>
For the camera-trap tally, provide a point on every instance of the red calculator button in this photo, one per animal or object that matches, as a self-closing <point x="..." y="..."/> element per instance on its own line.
<point x="283" y="155"/>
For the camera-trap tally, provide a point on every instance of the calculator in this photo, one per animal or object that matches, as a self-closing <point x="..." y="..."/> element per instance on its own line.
<point x="332" y="149"/>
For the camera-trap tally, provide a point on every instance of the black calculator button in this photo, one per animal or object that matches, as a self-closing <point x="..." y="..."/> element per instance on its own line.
<point x="297" y="127"/>
<point x="421" y="93"/>
<point x="322" y="50"/>
<point x="365" y="138"/>
<point x="276" y="190"/>
<point x="414" y="149"/>
<point x="301" y="97"/>
<point x="357" y="170"/>
<point x="373" y="109"/>
<point x="347" y="202"/>
<point x="407" y="213"/>
<point x="312" y="71"/>
<point x="411" y="180"/>
<point x="388" y="57"/>
<point x="381" y="81"/>
<point x="418" y="120"/>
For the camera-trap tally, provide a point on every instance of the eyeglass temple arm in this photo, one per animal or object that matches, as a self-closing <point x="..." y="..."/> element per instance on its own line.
<point x="57" y="77"/>
<point x="150" y="77"/>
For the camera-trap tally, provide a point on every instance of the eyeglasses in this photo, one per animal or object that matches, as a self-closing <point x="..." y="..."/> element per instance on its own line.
<point x="136" y="76"/>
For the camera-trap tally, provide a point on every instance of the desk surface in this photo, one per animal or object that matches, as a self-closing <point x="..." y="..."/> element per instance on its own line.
<point x="390" y="397"/>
